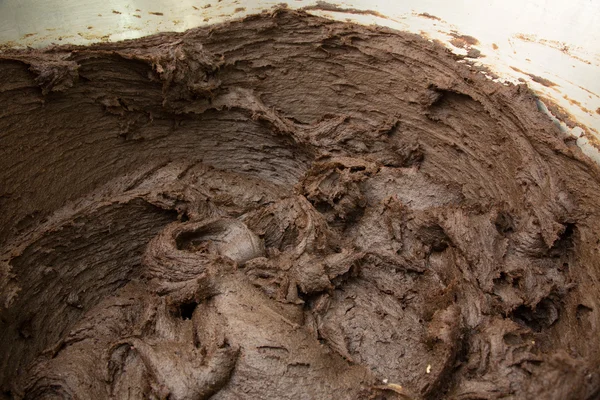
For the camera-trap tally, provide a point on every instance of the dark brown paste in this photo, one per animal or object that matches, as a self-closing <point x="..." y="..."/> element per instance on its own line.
<point x="287" y="207"/>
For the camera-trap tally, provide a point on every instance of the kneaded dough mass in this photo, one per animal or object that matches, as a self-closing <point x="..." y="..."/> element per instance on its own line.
<point x="287" y="207"/>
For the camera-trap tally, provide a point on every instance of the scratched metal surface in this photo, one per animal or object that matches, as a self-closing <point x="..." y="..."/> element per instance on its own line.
<point x="553" y="45"/>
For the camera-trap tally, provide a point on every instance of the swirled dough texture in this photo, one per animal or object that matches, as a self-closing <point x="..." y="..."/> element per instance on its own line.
<point x="287" y="207"/>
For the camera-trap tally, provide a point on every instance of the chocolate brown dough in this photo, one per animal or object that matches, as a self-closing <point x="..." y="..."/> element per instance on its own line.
<point x="287" y="207"/>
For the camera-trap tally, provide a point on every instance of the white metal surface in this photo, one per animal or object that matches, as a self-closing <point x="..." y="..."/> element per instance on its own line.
<point x="553" y="45"/>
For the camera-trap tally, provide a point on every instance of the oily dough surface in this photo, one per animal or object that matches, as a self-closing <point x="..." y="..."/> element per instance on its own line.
<point x="287" y="207"/>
